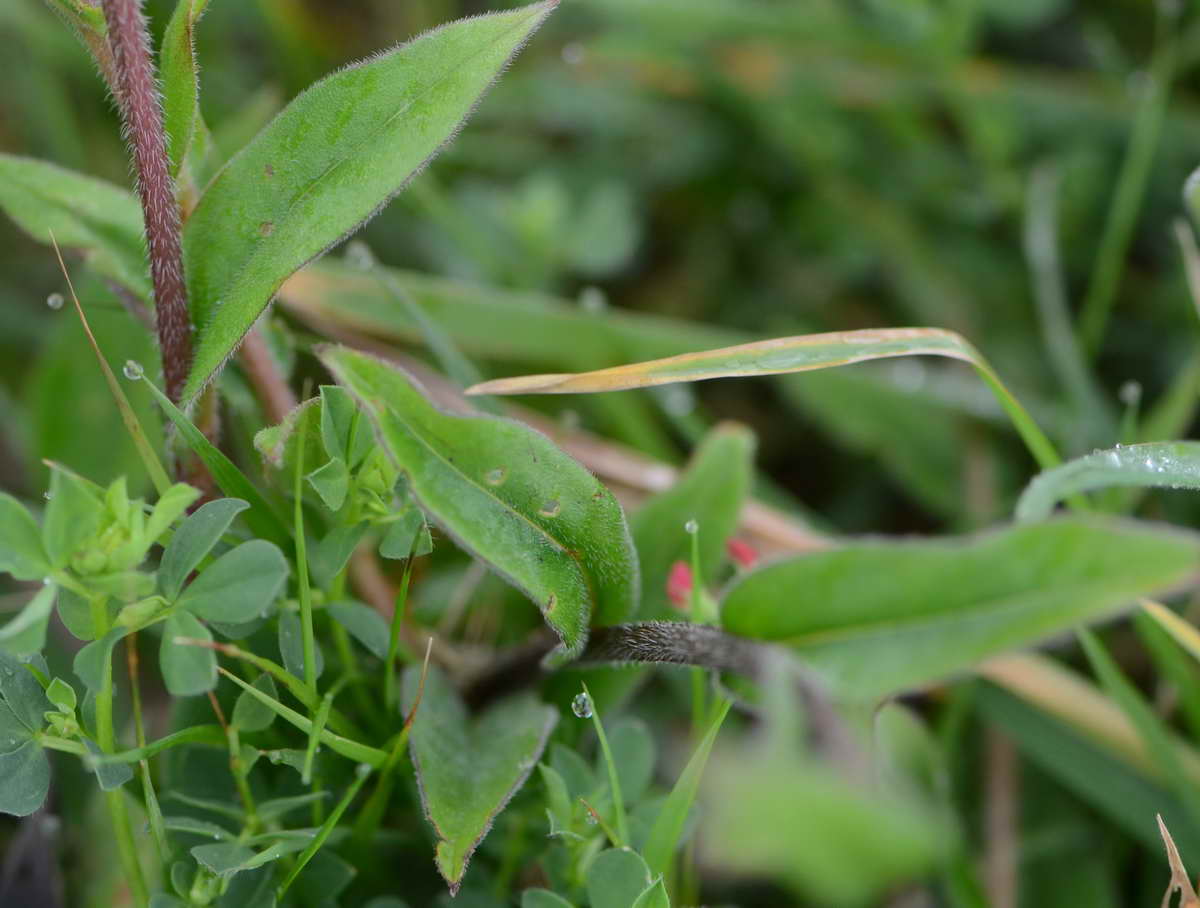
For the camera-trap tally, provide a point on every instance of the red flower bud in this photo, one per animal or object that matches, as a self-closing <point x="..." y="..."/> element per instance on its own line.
<point x="679" y="585"/>
<point x="744" y="555"/>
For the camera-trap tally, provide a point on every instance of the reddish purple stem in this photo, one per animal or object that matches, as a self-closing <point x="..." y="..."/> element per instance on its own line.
<point x="141" y="111"/>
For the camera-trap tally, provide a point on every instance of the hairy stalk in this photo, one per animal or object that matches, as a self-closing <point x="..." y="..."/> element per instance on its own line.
<point x="141" y="113"/>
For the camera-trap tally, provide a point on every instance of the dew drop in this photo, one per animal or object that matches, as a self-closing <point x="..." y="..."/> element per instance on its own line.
<point x="590" y="818"/>
<point x="47" y="495"/>
<point x="592" y="300"/>
<point x="496" y="477"/>
<point x="55" y="301"/>
<point x="691" y="527"/>
<point x="1130" y="393"/>
<point x="362" y="769"/>
<point x="550" y="508"/>
<point x="582" y="706"/>
<point x="132" y="370"/>
<point x="359" y="255"/>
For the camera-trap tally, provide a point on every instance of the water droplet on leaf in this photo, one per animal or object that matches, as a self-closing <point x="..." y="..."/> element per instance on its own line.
<point x="549" y="509"/>
<point x="691" y="527"/>
<point x="496" y="476"/>
<point x="55" y="301"/>
<point x="133" y="370"/>
<point x="582" y="706"/>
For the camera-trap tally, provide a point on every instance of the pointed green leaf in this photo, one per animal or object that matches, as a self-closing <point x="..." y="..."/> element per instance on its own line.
<point x="1165" y="464"/>
<point x="21" y="552"/>
<point x="711" y="491"/>
<point x="468" y="767"/>
<point x="409" y="535"/>
<point x="331" y="482"/>
<point x="508" y="495"/>
<point x="328" y="162"/>
<point x="193" y="540"/>
<point x="880" y="617"/>
<point x="239" y="585"/>
<point x="24" y="779"/>
<point x="180" y="81"/>
<point x="101" y="220"/>
<point x="91" y="661"/>
<point x="345" y="431"/>
<point x="330" y="555"/>
<point x="187" y="670"/>
<point x="22" y="692"/>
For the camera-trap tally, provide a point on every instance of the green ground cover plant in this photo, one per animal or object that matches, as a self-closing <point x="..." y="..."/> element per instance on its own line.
<point x="700" y="509"/>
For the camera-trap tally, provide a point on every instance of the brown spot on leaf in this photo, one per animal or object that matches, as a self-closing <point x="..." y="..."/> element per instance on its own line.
<point x="266" y="228"/>
<point x="269" y="170"/>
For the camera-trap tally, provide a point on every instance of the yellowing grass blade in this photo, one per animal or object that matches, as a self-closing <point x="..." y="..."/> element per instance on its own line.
<point x="782" y="355"/>
<point x="1182" y="630"/>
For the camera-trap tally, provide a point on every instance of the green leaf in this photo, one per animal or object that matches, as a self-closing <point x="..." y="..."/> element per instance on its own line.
<point x="409" y="535"/>
<point x="101" y="220"/>
<point x="880" y="617"/>
<point x="72" y="516"/>
<point x="26" y="632"/>
<point x="328" y="162"/>
<point x="24" y="779"/>
<point x="543" y="898"/>
<point x="171" y="505"/>
<point x="21" y="552"/>
<point x="186" y="670"/>
<point x="249" y="714"/>
<point x="239" y="585"/>
<point x="345" y="432"/>
<point x="193" y="540"/>
<point x="261" y="517"/>
<point x="291" y="646"/>
<point x="91" y="661"/>
<point x="62" y="695"/>
<point x="655" y="896"/>
<point x="509" y="496"/>
<point x="668" y="828"/>
<point x="330" y="555"/>
<point x="711" y="491"/>
<point x="1167" y="464"/>
<point x="331" y="482"/>
<point x="616" y="878"/>
<point x="180" y="81"/>
<point x="364" y="624"/>
<point x="22" y="692"/>
<point x="468" y="768"/>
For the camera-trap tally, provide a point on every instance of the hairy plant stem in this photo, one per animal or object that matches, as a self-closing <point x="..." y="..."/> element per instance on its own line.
<point x="141" y="114"/>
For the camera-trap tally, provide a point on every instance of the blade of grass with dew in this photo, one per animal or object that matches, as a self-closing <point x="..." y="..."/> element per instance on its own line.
<point x="614" y="783"/>
<point x="344" y="746"/>
<point x="145" y="450"/>
<point x="261" y="517"/>
<point x="318" y="840"/>
<point x="668" y="827"/>
<point x="1167" y="464"/>
<point x="1150" y="728"/>
<point x="783" y="356"/>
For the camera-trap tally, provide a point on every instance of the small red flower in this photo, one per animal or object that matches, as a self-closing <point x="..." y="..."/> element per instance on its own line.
<point x="679" y="585"/>
<point x="743" y="553"/>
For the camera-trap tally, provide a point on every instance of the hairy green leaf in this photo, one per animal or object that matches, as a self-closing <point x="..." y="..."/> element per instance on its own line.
<point x="507" y="494"/>
<point x="468" y="767"/>
<point x="328" y="162"/>
<point x="880" y="617"/>
<point x="180" y="81"/>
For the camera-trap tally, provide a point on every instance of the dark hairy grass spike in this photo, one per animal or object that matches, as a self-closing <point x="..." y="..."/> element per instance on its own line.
<point x="141" y="115"/>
